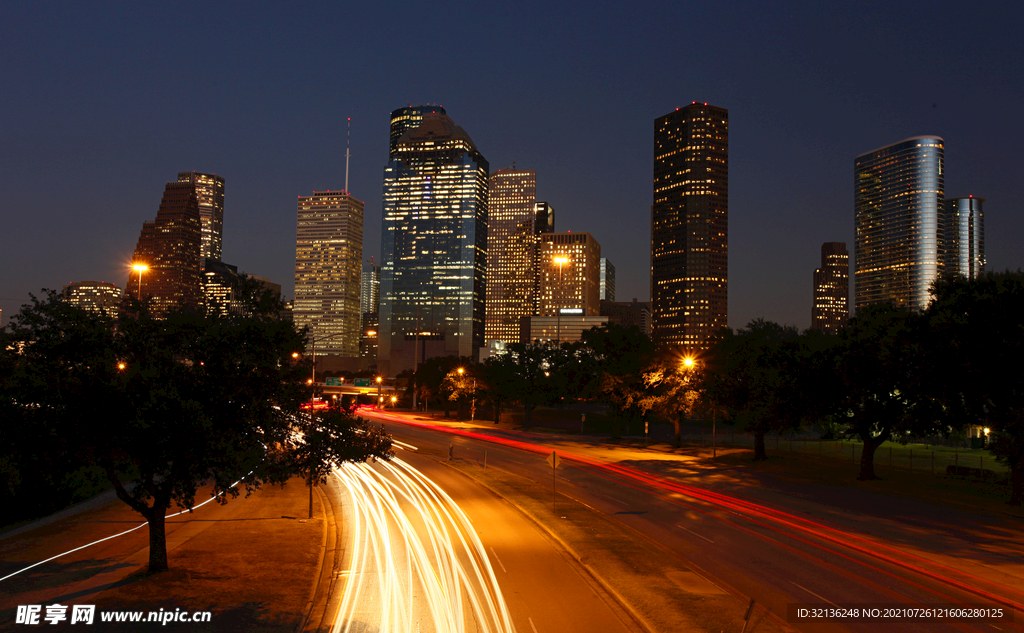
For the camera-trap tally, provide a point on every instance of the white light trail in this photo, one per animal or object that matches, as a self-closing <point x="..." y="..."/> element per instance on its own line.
<point x="416" y="562"/>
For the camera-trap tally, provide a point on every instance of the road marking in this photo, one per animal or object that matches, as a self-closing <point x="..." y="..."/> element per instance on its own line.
<point x="409" y="447"/>
<point x="531" y="625"/>
<point x="816" y="595"/>
<point x="621" y="503"/>
<point x="499" y="560"/>
<point x="695" y="534"/>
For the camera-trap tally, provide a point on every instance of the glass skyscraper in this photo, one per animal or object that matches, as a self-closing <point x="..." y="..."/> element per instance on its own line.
<point x="512" y="240"/>
<point x="210" y="195"/>
<point x="965" y="236"/>
<point x="433" y="243"/>
<point x="690" y="226"/>
<point x="831" y="308"/>
<point x="899" y="225"/>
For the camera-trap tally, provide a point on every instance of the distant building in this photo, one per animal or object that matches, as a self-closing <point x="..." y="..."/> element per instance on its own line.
<point x="219" y="282"/>
<point x="512" y="243"/>
<point x="210" y="196"/>
<point x="690" y="225"/>
<point x="169" y="249"/>
<point x="570" y="274"/>
<point x="831" y="308"/>
<point x="328" y="271"/>
<point x="94" y="296"/>
<point x="369" y="297"/>
<point x="370" y="337"/>
<point x="565" y="328"/>
<point x="964" y="236"/>
<point x="433" y="242"/>
<point x="607" y="291"/>
<point x="628" y="314"/>
<point x="898" y="245"/>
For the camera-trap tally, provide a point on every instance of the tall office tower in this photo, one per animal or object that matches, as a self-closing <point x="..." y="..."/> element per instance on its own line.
<point x="607" y="280"/>
<point x="405" y="119"/>
<point x="328" y="271"/>
<point x="570" y="275"/>
<point x="831" y="309"/>
<point x="369" y="297"/>
<point x="690" y="225"/>
<point x="965" y="236"/>
<point x="433" y="246"/>
<point x="898" y="192"/>
<point x="94" y="296"/>
<point x="511" y="252"/>
<point x="210" y="195"/>
<point x="169" y="248"/>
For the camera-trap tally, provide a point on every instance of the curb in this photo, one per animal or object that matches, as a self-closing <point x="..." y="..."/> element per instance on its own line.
<point x="311" y="601"/>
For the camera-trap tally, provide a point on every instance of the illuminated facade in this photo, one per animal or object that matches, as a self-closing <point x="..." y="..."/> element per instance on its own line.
<point x="210" y="196"/>
<point x="690" y="226"/>
<point x="511" y="252"/>
<point x="899" y="233"/>
<point x="169" y="247"/>
<point x="405" y="119"/>
<point x="607" y="280"/>
<point x="569" y="274"/>
<point x="831" y="309"/>
<point x="964" y="236"/>
<point x="328" y="271"/>
<point x="94" y="296"/>
<point x="433" y="245"/>
<point x="369" y="296"/>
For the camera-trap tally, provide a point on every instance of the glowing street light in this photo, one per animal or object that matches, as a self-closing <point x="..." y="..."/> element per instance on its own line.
<point x="140" y="268"/>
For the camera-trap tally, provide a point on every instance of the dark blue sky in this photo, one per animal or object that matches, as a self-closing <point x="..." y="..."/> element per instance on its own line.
<point x="104" y="102"/>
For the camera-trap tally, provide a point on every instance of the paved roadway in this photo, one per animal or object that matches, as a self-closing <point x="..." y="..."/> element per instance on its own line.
<point x="413" y="563"/>
<point x="753" y="549"/>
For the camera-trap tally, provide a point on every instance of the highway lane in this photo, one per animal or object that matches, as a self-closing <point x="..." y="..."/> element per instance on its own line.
<point x="754" y="549"/>
<point x="430" y="550"/>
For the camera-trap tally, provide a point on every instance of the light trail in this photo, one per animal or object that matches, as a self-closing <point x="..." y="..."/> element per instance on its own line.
<point x="416" y="563"/>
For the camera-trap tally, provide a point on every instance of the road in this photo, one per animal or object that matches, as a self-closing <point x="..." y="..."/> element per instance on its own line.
<point x="756" y="550"/>
<point x="429" y="550"/>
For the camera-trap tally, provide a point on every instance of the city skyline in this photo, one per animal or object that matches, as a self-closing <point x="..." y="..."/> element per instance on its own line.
<point x="801" y="108"/>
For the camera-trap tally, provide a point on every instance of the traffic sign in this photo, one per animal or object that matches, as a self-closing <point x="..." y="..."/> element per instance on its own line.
<point x="553" y="460"/>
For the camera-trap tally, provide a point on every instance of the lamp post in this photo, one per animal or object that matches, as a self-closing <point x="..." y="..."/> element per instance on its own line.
<point x="561" y="260"/>
<point x="380" y="399"/>
<point x="140" y="268"/>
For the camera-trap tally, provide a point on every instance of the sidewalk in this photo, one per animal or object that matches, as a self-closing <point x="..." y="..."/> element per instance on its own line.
<point x="252" y="563"/>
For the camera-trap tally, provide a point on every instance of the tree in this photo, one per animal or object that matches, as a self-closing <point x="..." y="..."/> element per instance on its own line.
<point x="165" y="406"/>
<point x="530" y="378"/>
<point x="672" y="388"/>
<point x="331" y="436"/>
<point x="754" y="372"/>
<point x="617" y="359"/>
<point x="975" y="326"/>
<point x="881" y="386"/>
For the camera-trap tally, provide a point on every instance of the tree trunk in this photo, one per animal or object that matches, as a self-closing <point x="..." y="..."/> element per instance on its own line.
<point x="157" y="540"/>
<point x="1016" y="482"/>
<point x="759" y="452"/>
<point x="678" y="423"/>
<point x="867" y="459"/>
<point x="497" y="412"/>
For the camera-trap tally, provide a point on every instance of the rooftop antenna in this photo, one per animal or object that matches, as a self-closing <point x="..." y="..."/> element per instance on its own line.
<point x="348" y="142"/>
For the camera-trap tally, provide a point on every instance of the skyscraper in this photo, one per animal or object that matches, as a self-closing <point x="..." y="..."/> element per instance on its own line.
<point x="433" y="245"/>
<point x="406" y="119"/>
<point x="570" y="275"/>
<point x="898" y="246"/>
<point x="512" y="234"/>
<point x="169" y="248"/>
<point x="328" y="271"/>
<point x="210" y="196"/>
<point x="94" y="296"/>
<point x="831" y="308"/>
<point x="964" y="233"/>
<point x="607" y="280"/>
<point x="690" y="225"/>
<point x="369" y="297"/>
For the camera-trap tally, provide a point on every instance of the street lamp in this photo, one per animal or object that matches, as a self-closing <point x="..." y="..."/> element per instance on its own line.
<point x="561" y="260"/>
<point x="140" y="268"/>
<point x="380" y="399"/>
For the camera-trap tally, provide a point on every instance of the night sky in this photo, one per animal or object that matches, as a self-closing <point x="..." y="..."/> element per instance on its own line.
<point x="103" y="103"/>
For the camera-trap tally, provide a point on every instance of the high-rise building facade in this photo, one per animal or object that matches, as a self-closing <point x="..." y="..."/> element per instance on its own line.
<point x="210" y="196"/>
<point x="433" y="245"/>
<point x="100" y="297"/>
<point x="570" y="275"/>
<point x="899" y="230"/>
<point x="169" y="250"/>
<point x="964" y="243"/>
<point x="512" y="241"/>
<point x="328" y="271"/>
<point x="607" y="280"/>
<point x="831" y="308"/>
<point x="405" y="119"/>
<point x="690" y="225"/>
<point x="369" y="297"/>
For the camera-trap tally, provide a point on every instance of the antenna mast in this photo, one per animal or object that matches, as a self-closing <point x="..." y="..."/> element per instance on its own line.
<point x="348" y="142"/>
